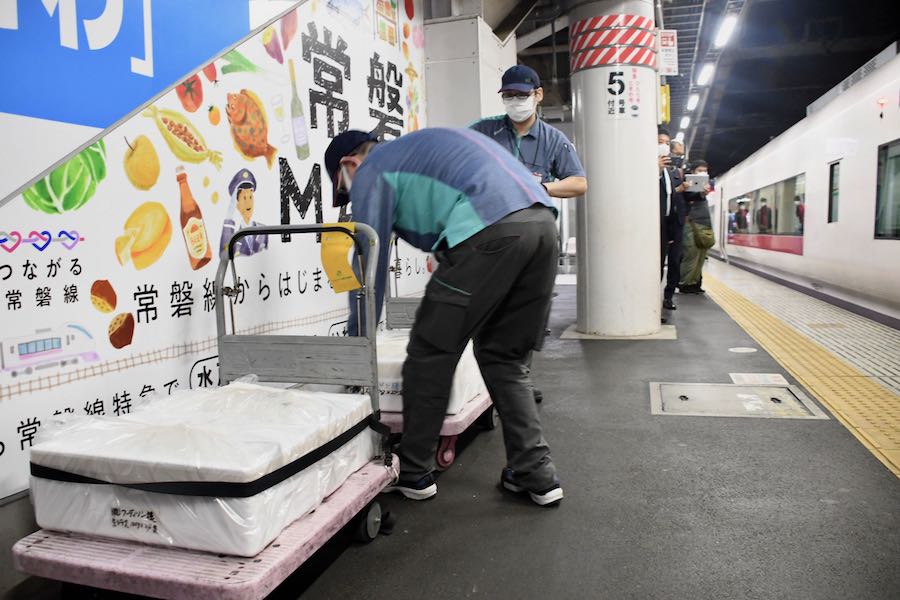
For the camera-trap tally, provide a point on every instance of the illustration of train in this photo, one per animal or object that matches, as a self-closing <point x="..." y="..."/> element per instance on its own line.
<point x="47" y="348"/>
<point x="819" y="206"/>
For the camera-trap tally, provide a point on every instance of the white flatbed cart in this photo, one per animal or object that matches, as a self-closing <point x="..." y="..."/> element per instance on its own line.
<point x="400" y="313"/>
<point x="164" y="572"/>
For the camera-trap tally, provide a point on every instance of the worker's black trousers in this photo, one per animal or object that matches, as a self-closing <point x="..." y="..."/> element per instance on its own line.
<point x="495" y="289"/>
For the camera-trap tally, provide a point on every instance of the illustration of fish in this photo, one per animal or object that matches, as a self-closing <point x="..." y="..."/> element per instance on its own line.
<point x="249" y="127"/>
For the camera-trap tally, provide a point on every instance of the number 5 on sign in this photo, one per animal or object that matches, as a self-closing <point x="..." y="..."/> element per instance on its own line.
<point x="616" y="83"/>
<point x="615" y="93"/>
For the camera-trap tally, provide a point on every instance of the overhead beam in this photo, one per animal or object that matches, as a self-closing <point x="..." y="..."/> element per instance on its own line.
<point x="813" y="48"/>
<point x="531" y="38"/>
<point x="514" y="18"/>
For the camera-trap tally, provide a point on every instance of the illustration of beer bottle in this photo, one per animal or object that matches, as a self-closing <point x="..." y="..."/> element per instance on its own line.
<point x="195" y="238"/>
<point x="301" y="135"/>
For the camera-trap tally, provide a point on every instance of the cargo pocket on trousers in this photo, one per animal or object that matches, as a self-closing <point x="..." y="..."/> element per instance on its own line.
<point x="442" y="316"/>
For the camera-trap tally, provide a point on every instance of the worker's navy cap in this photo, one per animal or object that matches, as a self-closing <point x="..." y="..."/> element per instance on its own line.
<point x="342" y="145"/>
<point x="520" y="78"/>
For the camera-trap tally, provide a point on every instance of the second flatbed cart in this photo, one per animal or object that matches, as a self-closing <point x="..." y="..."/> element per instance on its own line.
<point x="400" y="313"/>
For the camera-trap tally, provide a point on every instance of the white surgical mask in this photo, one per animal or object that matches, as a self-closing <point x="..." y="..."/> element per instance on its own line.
<point x="664" y="149"/>
<point x="346" y="180"/>
<point x="520" y="110"/>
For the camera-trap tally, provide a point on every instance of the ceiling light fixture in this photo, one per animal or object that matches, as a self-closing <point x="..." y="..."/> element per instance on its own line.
<point x="706" y="74"/>
<point x="680" y="137"/>
<point x="693" y="101"/>
<point x="729" y="22"/>
<point x="685" y="122"/>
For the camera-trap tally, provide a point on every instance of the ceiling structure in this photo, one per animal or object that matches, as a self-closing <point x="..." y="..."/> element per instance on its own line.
<point x="783" y="55"/>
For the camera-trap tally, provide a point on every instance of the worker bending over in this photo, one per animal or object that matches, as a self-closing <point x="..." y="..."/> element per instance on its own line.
<point x="492" y="229"/>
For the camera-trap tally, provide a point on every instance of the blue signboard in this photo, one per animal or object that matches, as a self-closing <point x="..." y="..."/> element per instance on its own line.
<point x="91" y="62"/>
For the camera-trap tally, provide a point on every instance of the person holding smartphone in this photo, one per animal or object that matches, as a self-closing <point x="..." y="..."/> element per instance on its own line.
<point x="671" y="218"/>
<point x="698" y="235"/>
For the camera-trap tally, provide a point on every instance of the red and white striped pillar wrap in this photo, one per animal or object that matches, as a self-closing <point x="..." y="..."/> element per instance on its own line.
<point x="615" y="97"/>
<point x="612" y="40"/>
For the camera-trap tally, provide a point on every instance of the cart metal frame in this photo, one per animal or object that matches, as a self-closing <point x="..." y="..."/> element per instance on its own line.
<point x="176" y="573"/>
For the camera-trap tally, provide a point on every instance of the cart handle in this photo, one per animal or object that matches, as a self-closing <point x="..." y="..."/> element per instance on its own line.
<point x="368" y="270"/>
<point x="272" y="229"/>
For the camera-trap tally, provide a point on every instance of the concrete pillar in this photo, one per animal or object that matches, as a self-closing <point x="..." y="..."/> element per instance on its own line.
<point x="614" y="101"/>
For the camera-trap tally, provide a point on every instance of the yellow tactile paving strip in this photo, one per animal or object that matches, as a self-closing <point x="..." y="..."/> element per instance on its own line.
<point x="867" y="409"/>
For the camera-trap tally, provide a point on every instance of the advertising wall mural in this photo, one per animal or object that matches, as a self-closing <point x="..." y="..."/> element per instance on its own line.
<point x="107" y="264"/>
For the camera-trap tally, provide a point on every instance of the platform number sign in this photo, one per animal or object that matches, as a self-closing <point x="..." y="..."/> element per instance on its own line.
<point x="623" y="97"/>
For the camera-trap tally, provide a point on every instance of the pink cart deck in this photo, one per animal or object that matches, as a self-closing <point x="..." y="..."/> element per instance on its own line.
<point x="174" y="573"/>
<point x="453" y="424"/>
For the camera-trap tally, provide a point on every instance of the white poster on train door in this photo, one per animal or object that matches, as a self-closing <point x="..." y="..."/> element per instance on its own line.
<point x="107" y="265"/>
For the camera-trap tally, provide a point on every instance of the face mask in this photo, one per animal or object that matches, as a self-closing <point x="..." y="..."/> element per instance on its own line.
<point x="346" y="179"/>
<point x="664" y="149"/>
<point x="519" y="110"/>
<point x="342" y="197"/>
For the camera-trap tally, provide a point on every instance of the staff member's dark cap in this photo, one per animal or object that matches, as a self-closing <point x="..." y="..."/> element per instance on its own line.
<point x="343" y="145"/>
<point x="520" y="78"/>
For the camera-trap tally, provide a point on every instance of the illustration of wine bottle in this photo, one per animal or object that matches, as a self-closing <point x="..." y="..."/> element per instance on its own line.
<point x="195" y="238"/>
<point x="301" y="135"/>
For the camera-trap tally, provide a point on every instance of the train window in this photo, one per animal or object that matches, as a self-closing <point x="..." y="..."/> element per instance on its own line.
<point x="777" y="209"/>
<point x="887" y="204"/>
<point x="834" y="189"/>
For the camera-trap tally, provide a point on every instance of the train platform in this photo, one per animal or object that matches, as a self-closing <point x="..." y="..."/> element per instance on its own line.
<point x="671" y="506"/>
<point x="666" y="505"/>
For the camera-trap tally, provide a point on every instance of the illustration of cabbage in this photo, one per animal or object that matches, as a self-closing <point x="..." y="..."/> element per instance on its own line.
<point x="69" y="186"/>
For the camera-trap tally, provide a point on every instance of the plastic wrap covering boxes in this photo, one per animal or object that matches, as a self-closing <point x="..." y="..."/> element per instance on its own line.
<point x="467" y="381"/>
<point x="202" y="469"/>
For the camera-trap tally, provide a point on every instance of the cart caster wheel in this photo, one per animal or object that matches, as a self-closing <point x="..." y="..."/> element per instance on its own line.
<point x="446" y="453"/>
<point x="388" y="522"/>
<point x="488" y="419"/>
<point x="368" y="523"/>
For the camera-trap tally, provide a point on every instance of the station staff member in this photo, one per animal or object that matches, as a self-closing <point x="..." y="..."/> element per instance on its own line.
<point x="493" y="230"/>
<point x="544" y="150"/>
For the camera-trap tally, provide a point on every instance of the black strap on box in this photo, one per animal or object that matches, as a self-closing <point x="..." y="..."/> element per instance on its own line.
<point x="223" y="489"/>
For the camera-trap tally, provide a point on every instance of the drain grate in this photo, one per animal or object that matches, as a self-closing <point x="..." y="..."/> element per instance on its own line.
<point x="729" y="400"/>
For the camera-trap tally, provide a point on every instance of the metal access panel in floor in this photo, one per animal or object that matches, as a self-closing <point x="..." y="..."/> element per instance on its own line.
<point x="730" y="400"/>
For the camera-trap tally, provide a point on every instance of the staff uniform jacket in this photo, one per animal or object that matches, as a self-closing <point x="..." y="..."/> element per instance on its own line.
<point x="544" y="149"/>
<point x="436" y="188"/>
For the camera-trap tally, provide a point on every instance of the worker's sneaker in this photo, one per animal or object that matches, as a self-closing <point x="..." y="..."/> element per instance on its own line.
<point x="546" y="497"/>
<point x="423" y="489"/>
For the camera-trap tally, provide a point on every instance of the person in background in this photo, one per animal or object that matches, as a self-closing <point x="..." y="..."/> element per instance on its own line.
<point x="698" y="235"/>
<point x="492" y="228"/>
<point x="678" y="157"/>
<point x="671" y="218"/>
<point x="763" y="217"/>
<point x="800" y="212"/>
<point x="544" y="150"/>
<point x="742" y="219"/>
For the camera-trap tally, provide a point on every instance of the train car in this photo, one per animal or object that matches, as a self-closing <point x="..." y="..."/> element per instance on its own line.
<point x="47" y="348"/>
<point x="819" y="206"/>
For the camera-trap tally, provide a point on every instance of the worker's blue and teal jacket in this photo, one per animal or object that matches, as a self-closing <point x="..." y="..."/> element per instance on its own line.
<point x="436" y="188"/>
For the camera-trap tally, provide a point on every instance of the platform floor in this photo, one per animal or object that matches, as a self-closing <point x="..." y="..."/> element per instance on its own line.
<point x="663" y="507"/>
